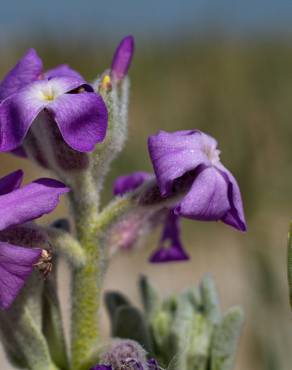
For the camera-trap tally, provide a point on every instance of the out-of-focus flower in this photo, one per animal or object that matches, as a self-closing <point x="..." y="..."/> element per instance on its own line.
<point x="26" y="91"/>
<point x="170" y="247"/>
<point x="214" y="193"/>
<point x="126" y="354"/>
<point x="122" y="58"/>
<point x="130" y="364"/>
<point x="18" y="206"/>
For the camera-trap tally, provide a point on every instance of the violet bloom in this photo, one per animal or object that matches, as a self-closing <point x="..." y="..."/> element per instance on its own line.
<point x="124" y="184"/>
<point x="26" y="91"/>
<point x="122" y="58"/>
<point x="170" y="248"/>
<point x="214" y="193"/>
<point x="19" y="205"/>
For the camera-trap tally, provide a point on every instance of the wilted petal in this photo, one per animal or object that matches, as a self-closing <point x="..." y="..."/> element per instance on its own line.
<point x="207" y="199"/>
<point x="235" y="216"/>
<point x="82" y="119"/>
<point x="30" y="202"/>
<point x="174" y="154"/>
<point x="63" y="70"/>
<point x="126" y="183"/>
<point x="27" y="70"/>
<point x="170" y="248"/>
<point x="17" y="113"/>
<point x="16" y="265"/>
<point x="11" y="182"/>
<point x="122" y="58"/>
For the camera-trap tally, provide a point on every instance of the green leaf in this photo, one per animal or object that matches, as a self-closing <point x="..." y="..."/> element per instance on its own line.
<point x="114" y="300"/>
<point x="149" y="295"/>
<point x="129" y="323"/>
<point x="289" y="263"/>
<point x="27" y="345"/>
<point x="53" y="325"/>
<point x="225" y="340"/>
<point x="210" y="300"/>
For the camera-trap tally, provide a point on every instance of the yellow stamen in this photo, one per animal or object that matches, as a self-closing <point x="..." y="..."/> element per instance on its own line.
<point x="106" y="82"/>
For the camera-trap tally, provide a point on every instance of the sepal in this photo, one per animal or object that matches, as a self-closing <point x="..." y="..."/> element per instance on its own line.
<point x="52" y="325"/>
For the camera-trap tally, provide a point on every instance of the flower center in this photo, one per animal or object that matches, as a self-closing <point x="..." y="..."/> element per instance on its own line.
<point x="47" y="94"/>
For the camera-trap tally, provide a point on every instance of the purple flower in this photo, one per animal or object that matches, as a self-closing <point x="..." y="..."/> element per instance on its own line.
<point x="131" y="364"/>
<point x="79" y="113"/>
<point x="126" y="183"/>
<point x="18" y="206"/>
<point x="170" y="247"/>
<point x="122" y="58"/>
<point x="214" y="193"/>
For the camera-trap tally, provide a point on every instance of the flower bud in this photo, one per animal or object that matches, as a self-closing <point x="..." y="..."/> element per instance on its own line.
<point x="125" y="352"/>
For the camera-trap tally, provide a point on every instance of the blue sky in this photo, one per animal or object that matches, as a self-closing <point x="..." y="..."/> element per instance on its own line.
<point x="149" y="18"/>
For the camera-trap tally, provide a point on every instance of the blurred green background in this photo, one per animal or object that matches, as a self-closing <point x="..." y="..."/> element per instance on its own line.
<point x="230" y="76"/>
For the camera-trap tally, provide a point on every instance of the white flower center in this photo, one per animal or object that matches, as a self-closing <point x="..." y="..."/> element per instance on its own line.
<point x="47" y="93"/>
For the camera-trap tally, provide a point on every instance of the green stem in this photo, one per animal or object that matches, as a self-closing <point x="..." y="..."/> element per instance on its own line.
<point x="289" y="263"/>
<point x="86" y="280"/>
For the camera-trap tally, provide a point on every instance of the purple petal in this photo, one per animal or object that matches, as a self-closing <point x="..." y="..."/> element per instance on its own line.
<point x="126" y="183"/>
<point x="170" y="248"/>
<point x="101" y="367"/>
<point x="169" y="254"/>
<point x="16" y="265"/>
<point x="27" y="235"/>
<point x="207" y="199"/>
<point x="27" y="70"/>
<point x="175" y="154"/>
<point x="235" y="216"/>
<point x="122" y="58"/>
<point x="30" y="202"/>
<point x="19" y="110"/>
<point x="17" y="113"/>
<point x="60" y="85"/>
<point x="152" y="364"/>
<point x="63" y="70"/>
<point x="82" y="119"/>
<point x="11" y="182"/>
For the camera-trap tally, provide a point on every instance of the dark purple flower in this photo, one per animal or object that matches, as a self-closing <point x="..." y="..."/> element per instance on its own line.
<point x="80" y="113"/>
<point x="126" y="183"/>
<point x="170" y="247"/>
<point x="214" y="193"/>
<point x="122" y="58"/>
<point x="18" y="206"/>
<point x="101" y="367"/>
<point x="153" y="364"/>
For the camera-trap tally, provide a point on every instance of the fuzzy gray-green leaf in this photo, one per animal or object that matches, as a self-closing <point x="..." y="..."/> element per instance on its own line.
<point x="225" y="340"/>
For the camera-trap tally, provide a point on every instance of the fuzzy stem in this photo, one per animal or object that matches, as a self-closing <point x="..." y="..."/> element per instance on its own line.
<point x="85" y="279"/>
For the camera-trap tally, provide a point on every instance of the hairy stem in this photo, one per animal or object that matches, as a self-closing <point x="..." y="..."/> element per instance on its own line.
<point x="85" y="279"/>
